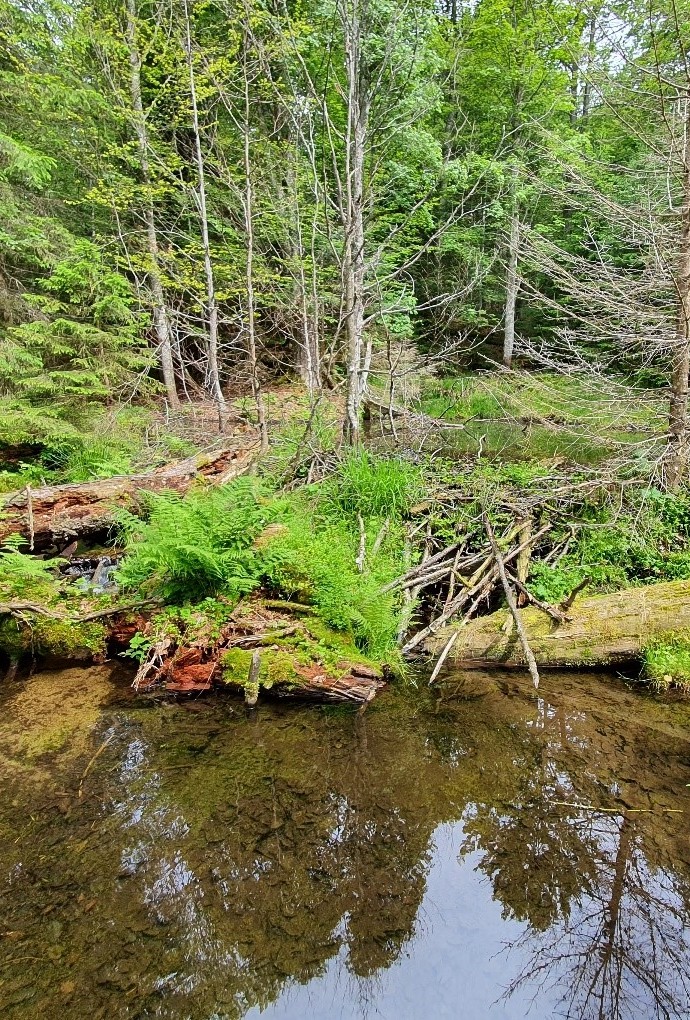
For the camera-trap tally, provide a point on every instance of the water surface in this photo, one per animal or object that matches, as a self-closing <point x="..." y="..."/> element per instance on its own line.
<point x="484" y="851"/>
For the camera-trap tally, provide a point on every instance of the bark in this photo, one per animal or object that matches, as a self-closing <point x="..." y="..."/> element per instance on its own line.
<point x="161" y="319"/>
<point x="62" y="512"/>
<point x="601" y="630"/>
<point x="676" y="459"/>
<point x="211" y="302"/>
<point x="512" y="289"/>
<point x="249" y="240"/>
<point x="358" y="353"/>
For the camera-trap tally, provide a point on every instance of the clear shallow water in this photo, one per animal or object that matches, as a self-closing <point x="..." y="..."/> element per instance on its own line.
<point x="434" y="857"/>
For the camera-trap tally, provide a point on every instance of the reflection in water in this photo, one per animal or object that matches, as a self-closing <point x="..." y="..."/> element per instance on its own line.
<point x="623" y="951"/>
<point x="450" y="858"/>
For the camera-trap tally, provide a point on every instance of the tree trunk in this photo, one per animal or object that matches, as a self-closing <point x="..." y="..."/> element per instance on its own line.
<point x="353" y="265"/>
<point x="512" y="288"/>
<point x="603" y="630"/>
<point x="587" y="87"/>
<point x="249" y="240"/>
<point x="59" y="513"/>
<point x="161" y="319"/>
<point x="211" y="302"/>
<point x="676" y="459"/>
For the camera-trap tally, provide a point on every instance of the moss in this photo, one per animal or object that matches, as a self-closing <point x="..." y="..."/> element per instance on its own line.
<point x="278" y="667"/>
<point x="47" y="636"/>
<point x="286" y="662"/>
<point x="235" y="664"/>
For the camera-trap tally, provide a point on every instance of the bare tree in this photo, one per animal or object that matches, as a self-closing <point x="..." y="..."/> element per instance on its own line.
<point x="211" y="300"/>
<point x="161" y="317"/>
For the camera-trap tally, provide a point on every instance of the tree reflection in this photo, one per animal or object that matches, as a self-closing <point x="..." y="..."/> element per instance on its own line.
<point x="605" y="905"/>
<point x="224" y="861"/>
<point x="623" y="952"/>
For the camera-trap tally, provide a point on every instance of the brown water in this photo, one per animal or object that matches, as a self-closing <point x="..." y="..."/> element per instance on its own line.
<point x="430" y="858"/>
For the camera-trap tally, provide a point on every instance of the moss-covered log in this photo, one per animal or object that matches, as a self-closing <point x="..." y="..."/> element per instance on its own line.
<point x="601" y="630"/>
<point x="59" y="513"/>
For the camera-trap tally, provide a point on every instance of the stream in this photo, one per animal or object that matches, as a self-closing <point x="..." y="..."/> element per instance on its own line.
<point x="479" y="851"/>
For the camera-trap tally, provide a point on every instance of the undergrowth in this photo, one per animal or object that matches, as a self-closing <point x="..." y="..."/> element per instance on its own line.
<point x="666" y="662"/>
<point x="302" y="546"/>
<point x="25" y="578"/>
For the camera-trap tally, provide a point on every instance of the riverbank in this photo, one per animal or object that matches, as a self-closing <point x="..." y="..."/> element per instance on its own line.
<point x="321" y="564"/>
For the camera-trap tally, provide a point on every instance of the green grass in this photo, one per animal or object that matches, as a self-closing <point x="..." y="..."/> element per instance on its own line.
<point x="666" y="662"/>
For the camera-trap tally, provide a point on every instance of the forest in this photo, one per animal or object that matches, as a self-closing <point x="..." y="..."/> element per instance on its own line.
<point x="333" y="330"/>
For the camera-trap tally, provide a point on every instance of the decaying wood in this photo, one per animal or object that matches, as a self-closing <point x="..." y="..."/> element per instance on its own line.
<point x="602" y="630"/>
<point x="61" y="512"/>
<point x="197" y="666"/>
<point x="251" y="691"/>
<point x="512" y="604"/>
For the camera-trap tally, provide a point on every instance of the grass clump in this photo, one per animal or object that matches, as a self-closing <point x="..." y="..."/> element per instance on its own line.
<point x="666" y="661"/>
<point x="373" y="486"/>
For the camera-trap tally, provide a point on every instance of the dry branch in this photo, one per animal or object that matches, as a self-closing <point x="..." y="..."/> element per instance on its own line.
<point x="512" y="604"/>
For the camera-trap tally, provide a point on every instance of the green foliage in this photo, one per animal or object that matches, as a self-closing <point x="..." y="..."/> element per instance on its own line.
<point x="373" y="486"/>
<point x="666" y="661"/>
<point x="230" y="541"/>
<point x="194" y="547"/>
<point x="85" y="342"/>
<point x="318" y="565"/>
<point x="25" y="577"/>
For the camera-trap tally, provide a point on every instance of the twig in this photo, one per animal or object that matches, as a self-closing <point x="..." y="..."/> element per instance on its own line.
<point x="556" y="615"/>
<point x="426" y="562"/>
<point x="616" y="810"/>
<point x="444" y="655"/>
<point x="86" y="771"/>
<point x="512" y="605"/>
<point x="380" y="537"/>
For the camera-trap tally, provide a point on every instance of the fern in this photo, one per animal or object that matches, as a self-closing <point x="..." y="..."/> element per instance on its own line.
<point x="193" y="547"/>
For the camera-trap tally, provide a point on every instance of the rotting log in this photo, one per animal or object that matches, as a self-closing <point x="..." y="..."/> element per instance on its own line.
<point x="192" y="669"/>
<point x="601" y="630"/>
<point x="58" y="513"/>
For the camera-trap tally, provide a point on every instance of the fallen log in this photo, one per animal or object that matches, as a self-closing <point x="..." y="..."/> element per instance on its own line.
<point x="58" y="513"/>
<point x="601" y="630"/>
<point x="256" y="653"/>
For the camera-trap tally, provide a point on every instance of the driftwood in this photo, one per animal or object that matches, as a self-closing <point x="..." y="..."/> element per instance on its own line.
<point x="61" y="512"/>
<point x="601" y="630"/>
